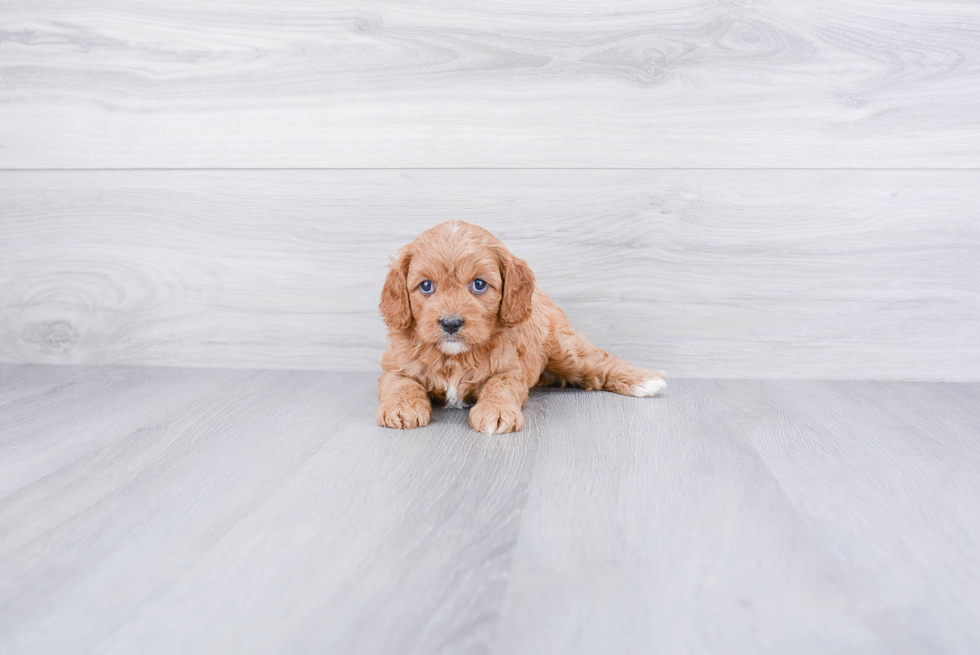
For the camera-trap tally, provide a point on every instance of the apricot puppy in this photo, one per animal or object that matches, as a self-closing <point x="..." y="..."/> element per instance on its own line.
<point x="467" y="326"/>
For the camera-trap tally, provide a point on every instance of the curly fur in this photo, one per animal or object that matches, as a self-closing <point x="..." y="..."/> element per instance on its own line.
<point x="513" y="336"/>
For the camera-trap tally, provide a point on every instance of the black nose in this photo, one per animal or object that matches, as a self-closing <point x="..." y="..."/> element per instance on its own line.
<point x="451" y="324"/>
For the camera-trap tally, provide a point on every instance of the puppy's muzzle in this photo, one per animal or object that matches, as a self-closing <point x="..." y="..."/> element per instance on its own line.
<point x="451" y="324"/>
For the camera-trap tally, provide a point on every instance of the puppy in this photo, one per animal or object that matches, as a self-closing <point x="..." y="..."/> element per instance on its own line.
<point x="467" y="326"/>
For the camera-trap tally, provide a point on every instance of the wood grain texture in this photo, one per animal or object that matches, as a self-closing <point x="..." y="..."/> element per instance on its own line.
<point x="743" y="516"/>
<point x="247" y="512"/>
<point x="592" y="83"/>
<point x="152" y="510"/>
<point x="819" y="274"/>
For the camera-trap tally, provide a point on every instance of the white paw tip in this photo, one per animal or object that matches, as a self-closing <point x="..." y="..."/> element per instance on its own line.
<point x="651" y="387"/>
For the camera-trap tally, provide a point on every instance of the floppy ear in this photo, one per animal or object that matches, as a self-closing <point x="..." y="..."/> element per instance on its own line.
<point x="394" y="305"/>
<point x="518" y="288"/>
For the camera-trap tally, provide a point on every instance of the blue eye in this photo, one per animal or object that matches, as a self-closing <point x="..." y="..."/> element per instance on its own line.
<point x="479" y="285"/>
<point x="426" y="287"/>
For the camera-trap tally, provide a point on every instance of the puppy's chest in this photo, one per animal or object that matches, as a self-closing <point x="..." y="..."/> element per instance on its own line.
<point x="454" y="393"/>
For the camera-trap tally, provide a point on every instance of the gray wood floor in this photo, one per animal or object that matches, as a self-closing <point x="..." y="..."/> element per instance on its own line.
<point x="175" y="510"/>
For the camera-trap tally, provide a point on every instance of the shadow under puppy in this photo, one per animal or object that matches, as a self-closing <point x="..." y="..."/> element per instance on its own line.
<point x="467" y="325"/>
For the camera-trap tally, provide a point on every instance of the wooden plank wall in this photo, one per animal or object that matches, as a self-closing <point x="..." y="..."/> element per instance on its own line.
<point x="729" y="189"/>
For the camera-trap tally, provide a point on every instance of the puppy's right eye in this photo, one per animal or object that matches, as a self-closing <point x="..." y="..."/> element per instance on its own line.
<point x="426" y="287"/>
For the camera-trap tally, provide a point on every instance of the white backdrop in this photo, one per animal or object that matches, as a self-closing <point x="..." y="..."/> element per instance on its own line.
<point x="767" y="189"/>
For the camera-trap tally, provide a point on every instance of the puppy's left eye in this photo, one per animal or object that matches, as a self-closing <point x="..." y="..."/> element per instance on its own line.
<point x="479" y="285"/>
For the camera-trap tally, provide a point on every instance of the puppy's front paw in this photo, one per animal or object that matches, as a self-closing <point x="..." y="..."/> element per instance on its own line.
<point x="405" y="413"/>
<point x="496" y="419"/>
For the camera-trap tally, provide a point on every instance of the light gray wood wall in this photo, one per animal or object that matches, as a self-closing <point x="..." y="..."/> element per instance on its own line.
<point x="726" y="273"/>
<point x="493" y="83"/>
<point x="805" y="204"/>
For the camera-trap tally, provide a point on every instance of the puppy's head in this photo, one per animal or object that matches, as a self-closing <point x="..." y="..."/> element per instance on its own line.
<point x="456" y="285"/>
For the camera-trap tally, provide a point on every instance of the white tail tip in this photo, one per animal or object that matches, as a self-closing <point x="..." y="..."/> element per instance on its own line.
<point x="651" y="387"/>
